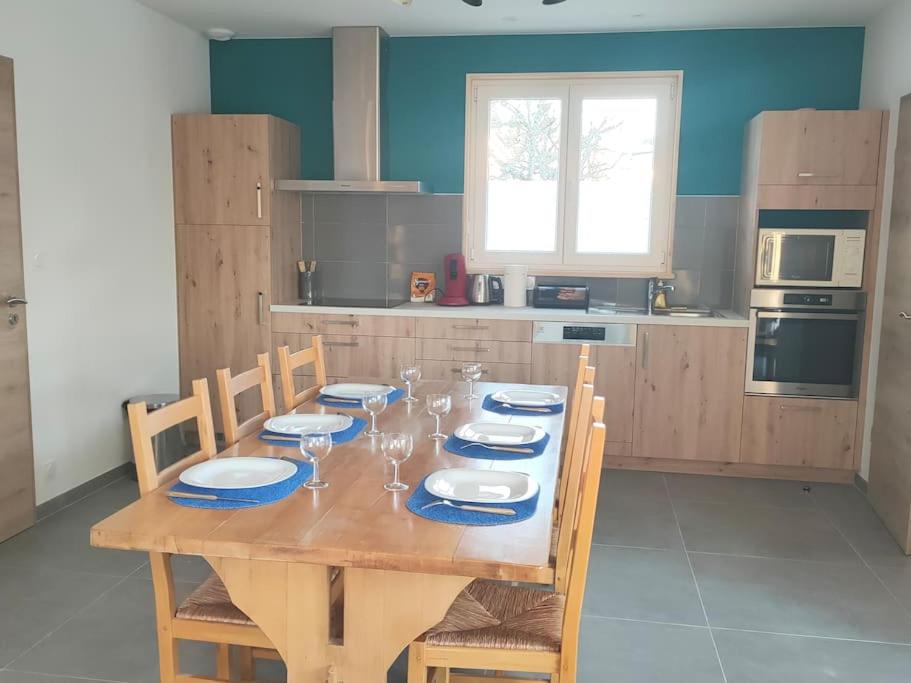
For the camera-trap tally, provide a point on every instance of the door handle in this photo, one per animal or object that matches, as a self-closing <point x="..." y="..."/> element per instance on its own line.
<point x="14" y="301"/>
<point x="259" y="200"/>
<point x="904" y="316"/>
<point x="261" y="312"/>
<point x="645" y="350"/>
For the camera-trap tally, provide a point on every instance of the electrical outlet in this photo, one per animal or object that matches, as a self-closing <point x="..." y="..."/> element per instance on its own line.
<point x="50" y="469"/>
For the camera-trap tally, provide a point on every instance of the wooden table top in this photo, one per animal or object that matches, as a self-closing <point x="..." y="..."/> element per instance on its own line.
<point x="355" y="522"/>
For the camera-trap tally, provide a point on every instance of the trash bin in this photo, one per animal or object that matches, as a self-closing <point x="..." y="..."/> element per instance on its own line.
<point x="169" y="445"/>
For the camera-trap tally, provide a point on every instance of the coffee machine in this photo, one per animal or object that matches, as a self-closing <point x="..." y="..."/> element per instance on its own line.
<point x="455" y="282"/>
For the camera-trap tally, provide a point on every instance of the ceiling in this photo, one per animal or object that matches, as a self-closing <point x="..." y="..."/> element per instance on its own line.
<point x="292" y="18"/>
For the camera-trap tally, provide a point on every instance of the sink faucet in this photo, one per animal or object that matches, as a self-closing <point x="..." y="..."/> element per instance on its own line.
<point x="656" y="286"/>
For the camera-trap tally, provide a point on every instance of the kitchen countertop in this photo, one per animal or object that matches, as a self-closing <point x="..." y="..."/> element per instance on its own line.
<point x="726" y="319"/>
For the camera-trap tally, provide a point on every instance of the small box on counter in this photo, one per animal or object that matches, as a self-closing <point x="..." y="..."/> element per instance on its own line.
<point x="422" y="284"/>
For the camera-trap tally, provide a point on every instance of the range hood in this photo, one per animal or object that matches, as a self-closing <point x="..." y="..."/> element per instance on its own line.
<point x="357" y="69"/>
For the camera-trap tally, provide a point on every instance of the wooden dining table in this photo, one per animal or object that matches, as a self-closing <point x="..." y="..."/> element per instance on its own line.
<point x="401" y="571"/>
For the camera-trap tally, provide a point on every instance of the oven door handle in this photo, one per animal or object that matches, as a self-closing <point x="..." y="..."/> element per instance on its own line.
<point x="768" y="255"/>
<point x="797" y="315"/>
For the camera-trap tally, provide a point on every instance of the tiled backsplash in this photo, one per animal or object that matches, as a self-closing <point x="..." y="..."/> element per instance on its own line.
<point x="367" y="245"/>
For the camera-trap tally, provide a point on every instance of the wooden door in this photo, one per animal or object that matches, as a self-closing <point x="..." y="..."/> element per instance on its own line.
<point x="17" y="486"/>
<point x="890" y="458"/>
<point x="808" y="147"/>
<point x="689" y="392"/>
<point x="615" y="379"/>
<point x="799" y="432"/>
<point x="221" y="169"/>
<point x="223" y="297"/>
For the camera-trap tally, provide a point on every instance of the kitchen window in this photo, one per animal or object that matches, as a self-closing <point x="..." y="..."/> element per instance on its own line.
<point x="571" y="173"/>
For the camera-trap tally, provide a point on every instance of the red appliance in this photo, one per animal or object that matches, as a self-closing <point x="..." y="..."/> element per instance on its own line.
<point x="455" y="281"/>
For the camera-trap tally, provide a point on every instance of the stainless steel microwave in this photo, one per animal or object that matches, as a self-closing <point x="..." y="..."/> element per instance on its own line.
<point x="810" y="257"/>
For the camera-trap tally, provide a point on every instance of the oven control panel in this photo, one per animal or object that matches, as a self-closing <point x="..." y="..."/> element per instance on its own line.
<point x="804" y="299"/>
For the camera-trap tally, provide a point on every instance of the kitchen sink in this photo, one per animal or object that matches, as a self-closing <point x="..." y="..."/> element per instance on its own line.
<point x="687" y="312"/>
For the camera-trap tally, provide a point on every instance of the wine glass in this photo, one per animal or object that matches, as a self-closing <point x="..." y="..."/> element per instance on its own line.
<point x="410" y="374"/>
<point x="438" y="405"/>
<point x="471" y="373"/>
<point x="374" y="403"/>
<point x="315" y="446"/>
<point x="397" y="449"/>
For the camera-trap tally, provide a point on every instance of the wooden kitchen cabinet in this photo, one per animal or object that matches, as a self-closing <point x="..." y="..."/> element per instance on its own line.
<point x="515" y="373"/>
<point x="799" y="432"/>
<point x="810" y="147"/>
<point x="615" y="379"/>
<point x="689" y="392"/>
<point x="467" y="350"/>
<point x="480" y="329"/>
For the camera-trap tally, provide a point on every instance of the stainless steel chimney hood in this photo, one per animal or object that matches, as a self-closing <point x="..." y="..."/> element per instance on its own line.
<point x="357" y="67"/>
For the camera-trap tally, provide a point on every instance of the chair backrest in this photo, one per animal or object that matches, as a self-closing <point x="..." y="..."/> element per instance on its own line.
<point x="230" y="386"/>
<point x="289" y="362"/>
<point x="144" y="425"/>
<point x="573" y="576"/>
<point x="576" y="429"/>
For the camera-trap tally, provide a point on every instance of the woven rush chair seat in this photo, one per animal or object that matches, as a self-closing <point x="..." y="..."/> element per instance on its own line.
<point x="211" y="602"/>
<point x="493" y="615"/>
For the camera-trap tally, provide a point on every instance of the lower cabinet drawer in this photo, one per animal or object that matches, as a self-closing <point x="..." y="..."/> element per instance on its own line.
<point x="300" y="383"/>
<point x="490" y="351"/>
<point x="357" y="356"/>
<point x="802" y="432"/>
<point x="516" y="373"/>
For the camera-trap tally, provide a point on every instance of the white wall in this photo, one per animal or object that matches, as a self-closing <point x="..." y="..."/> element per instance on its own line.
<point x="96" y="82"/>
<point x="886" y="79"/>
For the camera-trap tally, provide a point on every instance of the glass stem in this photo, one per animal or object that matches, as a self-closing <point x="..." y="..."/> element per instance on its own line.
<point x="395" y="473"/>
<point x="438" y="423"/>
<point x="409" y="391"/>
<point x="316" y="470"/>
<point x="373" y="422"/>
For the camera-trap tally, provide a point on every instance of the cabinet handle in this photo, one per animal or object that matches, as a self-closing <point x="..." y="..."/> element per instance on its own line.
<point x="644" y="350"/>
<point x="806" y="174"/>
<point x="476" y="349"/>
<point x="904" y="316"/>
<point x="799" y="409"/>
<point x="350" y="323"/>
<point x="459" y="370"/>
<point x="470" y="327"/>
<point x="259" y="200"/>
<point x="338" y="343"/>
<point x="767" y="257"/>
<point x="261" y="311"/>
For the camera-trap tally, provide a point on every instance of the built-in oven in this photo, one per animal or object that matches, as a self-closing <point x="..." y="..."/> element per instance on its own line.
<point x="810" y="257"/>
<point x="805" y="342"/>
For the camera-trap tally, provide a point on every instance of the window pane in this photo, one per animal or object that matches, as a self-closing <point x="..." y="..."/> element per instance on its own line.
<point x="523" y="174"/>
<point x="616" y="171"/>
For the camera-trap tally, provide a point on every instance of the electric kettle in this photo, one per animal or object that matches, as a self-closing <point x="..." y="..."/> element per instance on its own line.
<point x="485" y="289"/>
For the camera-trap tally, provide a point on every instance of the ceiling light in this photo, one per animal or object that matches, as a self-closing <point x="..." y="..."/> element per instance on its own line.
<point x="552" y="2"/>
<point x="403" y="3"/>
<point x="220" y="34"/>
<point x="474" y="3"/>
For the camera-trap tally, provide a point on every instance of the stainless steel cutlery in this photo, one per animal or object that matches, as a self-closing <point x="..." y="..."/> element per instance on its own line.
<point x="506" y="449"/>
<point x="507" y="512"/>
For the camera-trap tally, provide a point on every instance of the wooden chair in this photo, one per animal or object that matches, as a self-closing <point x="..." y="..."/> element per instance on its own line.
<point x="208" y="614"/>
<point x="289" y="362"/>
<point x="494" y="626"/>
<point x="230" y="386"/>
<point x="576" y="425"/>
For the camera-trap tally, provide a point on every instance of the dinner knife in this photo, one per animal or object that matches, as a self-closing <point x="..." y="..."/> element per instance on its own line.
<point x="509" y="512"/>
<point x="506" y="449"/>
<point x="208" y="496"/>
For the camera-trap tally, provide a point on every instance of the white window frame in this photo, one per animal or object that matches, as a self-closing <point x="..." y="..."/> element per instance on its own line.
<point x="571" y="89"/>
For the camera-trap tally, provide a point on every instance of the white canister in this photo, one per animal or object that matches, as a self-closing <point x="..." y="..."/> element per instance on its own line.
<point x="515" y="279"/>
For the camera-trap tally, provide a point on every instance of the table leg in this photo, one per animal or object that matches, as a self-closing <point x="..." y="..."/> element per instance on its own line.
<point x="384" y="612"/>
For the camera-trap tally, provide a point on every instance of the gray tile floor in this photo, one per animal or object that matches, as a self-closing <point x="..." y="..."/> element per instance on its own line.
<point x="693" y="579"/>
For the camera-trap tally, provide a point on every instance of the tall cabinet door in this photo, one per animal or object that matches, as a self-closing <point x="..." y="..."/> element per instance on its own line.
<point x="221" y="169"/>
<point x="223" y="282"/>
<point x="890" y="458"/>
<point x="689" y="392"/>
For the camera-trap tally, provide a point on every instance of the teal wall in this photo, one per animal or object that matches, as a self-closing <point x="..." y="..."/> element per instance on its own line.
<point x="729" y="76"/>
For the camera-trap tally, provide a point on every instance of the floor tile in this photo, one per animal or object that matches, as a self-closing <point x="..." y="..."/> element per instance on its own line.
<point x="633" y="483"/>
<point x="775" y="493"/>
<point x="638" y="652"/>
<point x="764" y="531"/>
<point x="639" y="521"/>
<point x="763" y="658"/>
<point x="25" y="677"/>
<point x="112" y="639"/>
<point x="799" y="598"/>
<point x="853" y="515"/>
<point x="651" y="585"/>
<point x="34" y="602"/>
<point x="898" y="580"/>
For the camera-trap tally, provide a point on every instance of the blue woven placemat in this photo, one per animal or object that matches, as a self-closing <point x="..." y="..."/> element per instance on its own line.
<point x="470" y="449"/>
<point x="343" y="436"/>
<point x="391" y="398"/>
<point x="496" y="407"/>
<point x="263" y="495"/>
<point x="450" y="515"/>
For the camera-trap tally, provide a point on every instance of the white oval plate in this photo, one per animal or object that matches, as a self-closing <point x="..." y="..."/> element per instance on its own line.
<point x="307" y="422"/>
<point x="354" y="391"/>
<point x="238" y="473"/>
<point x="528" y="397"/>
<point x="480" y="486"/>
<point x="499" y="434"/>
